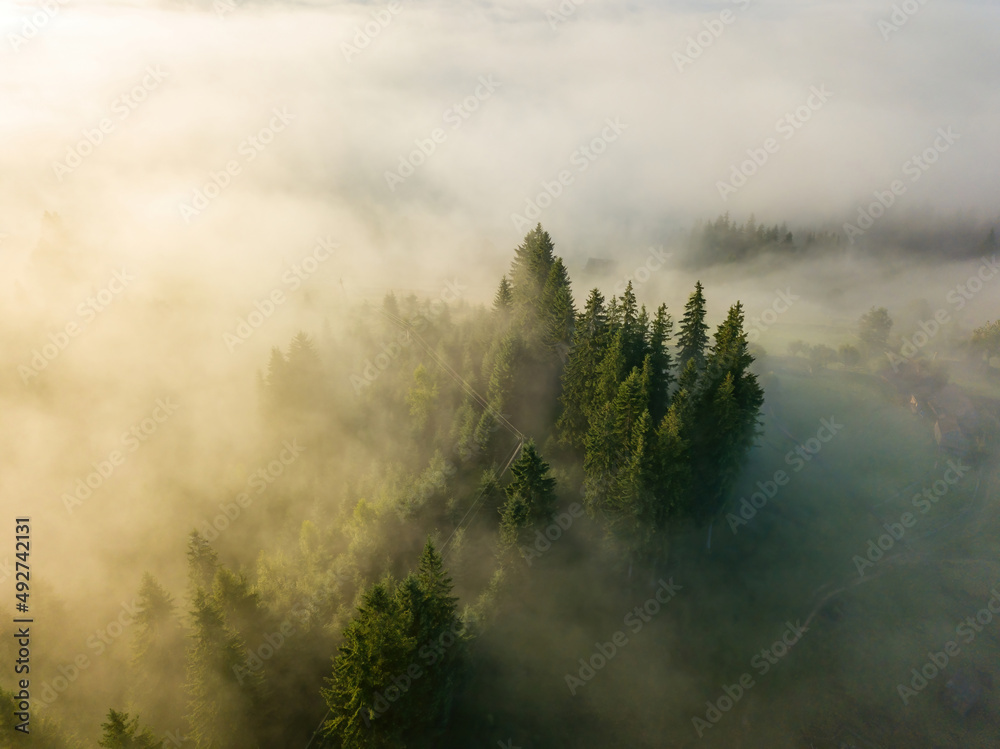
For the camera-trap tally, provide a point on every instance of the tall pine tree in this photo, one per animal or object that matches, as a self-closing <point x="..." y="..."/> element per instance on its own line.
<point x="224" y="697"/>
<point x="440" y="636"/>
<point x="578" y="383"/>
<point x="619" y="464"/>
<point x="661" y="364"/>
<point x="396" y="673"/>
<point x="633" y="330"/>
<point x="726" y="412"/>
<point x="559" y="311"/>
<point x="158" y="638"/>
<point x="672" y="464"/>
<point x="530" y="496"/>
<point x="529" y="272"/>
<point x="506" y="360"/>
<point x="693" y="336"/>
<point x="503" y="301"/>
<point x="377" y="648"/>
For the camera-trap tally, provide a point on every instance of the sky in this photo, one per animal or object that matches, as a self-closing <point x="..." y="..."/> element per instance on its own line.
<point x="510" y="103"/>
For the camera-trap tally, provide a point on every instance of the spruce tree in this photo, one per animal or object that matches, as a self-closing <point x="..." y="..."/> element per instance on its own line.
<point x="436" y="586"/>
<point x="621" y="466"/>
<point x="304" y="372"/>
<point x="276" y="381"/>
<point x="422" y="399"/>
<point x="439" y="634"/>
<point x="631" y="504"/>
<point x="726" y="412"/>
<point x="376" y="649"/>
<point x="515" y="519"/>
<point x="689" y="381"/>
<point x="396" y="673"/>
<point x="633" y="330"/>
<point x="672" y="464"/>
<point x="121" y="732"/>
<point x="578" y="382"/>
<point x="158" y="638"/>
<point x="617" y="438"/>
<point x="203" y="561"/>
<point x="614" y="316"/>
<point x="464" y="429"/>
<point x="507" y="358"/>
<point x="661" y="361"/>
<point x="630" y="403"/>
<point x="223" y="694"/>
<point x="601" y="460"/>
<point x="503" y="301"/>
<point x="240" y="604"/>
<point x="529" y="271"/>
<point x="559" y="311"/>
<point x="693" y="336"/>
<point x="530" y="495"/>
<point x="727" y="447"/>
<point x="644" y="335"/>
<point x="610" y="372"/>
<point x="154" y="617"/>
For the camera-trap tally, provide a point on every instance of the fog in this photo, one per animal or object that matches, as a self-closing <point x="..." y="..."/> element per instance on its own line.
<point x="187" y="185"/>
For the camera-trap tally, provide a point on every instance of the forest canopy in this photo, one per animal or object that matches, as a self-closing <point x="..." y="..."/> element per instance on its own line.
<point x="361" y="629"/>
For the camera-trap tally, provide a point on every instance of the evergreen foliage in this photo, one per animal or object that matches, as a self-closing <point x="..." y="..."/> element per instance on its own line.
<point x="653" y="427"/>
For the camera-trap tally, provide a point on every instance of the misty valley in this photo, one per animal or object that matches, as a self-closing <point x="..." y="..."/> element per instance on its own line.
<point x="383" y="374"/>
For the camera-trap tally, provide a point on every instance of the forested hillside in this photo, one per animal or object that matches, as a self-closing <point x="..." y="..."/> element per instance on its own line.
<point x="487" y="422"/>
<point x="312" y="436"/>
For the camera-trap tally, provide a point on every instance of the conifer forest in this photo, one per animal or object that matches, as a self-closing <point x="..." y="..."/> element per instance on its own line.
<point x="536" y="374"/>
